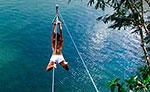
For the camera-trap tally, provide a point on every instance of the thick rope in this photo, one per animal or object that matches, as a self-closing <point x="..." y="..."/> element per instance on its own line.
<point x="79" y="53"/>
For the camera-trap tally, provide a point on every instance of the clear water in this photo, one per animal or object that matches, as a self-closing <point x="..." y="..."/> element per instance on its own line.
<point x="25" y="48"/>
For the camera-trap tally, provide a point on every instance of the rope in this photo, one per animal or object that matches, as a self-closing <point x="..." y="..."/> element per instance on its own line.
<point x="53" y="79"/>
<point x="53" y="75"/>
<point x="79" y="53"/>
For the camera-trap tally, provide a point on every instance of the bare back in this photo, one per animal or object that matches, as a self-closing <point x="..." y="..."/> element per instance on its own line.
<point x="59" y="42"/>
<point x="58" y="48"/>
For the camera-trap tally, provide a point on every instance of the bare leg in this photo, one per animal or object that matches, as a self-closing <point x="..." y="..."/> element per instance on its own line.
<point x="50" y="66"/>
<point x="65" y="66"/>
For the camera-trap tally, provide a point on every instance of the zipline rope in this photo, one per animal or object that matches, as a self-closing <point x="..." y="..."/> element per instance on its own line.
<point x="53" y="79"/>
<point x="79" y="53"/>
<point x="53" y="75"/>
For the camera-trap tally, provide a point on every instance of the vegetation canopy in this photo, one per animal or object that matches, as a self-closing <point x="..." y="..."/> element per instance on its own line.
<point x="131" y="14"/>
<point x="140" y="82"/>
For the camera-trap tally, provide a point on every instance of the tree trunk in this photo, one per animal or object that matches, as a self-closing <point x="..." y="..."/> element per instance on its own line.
<point x="140" y="15"/>
<point x="141" y="35"/>
<point x="144" y="48"/>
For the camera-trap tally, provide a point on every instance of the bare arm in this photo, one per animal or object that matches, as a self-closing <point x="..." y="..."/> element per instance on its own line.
<point x="60" y="28"/>
<point x="53" y="33"/>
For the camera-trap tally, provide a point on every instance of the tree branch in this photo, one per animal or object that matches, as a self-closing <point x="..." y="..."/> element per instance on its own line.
<point x="148" y="2"/>
<point x="141" y="16"/>
<point x="142" y="38"/>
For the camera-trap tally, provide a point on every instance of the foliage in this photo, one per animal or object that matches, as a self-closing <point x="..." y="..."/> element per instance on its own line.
<point x="140" y="82"/>
<point x="115" y="84"/>
<point x="127" y="14"/>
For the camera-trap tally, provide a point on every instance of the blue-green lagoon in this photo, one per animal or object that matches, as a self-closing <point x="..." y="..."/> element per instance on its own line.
<point x="25" y="48"/>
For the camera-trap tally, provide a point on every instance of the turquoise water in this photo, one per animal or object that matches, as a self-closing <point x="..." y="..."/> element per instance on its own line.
<point x="25" y="48"/>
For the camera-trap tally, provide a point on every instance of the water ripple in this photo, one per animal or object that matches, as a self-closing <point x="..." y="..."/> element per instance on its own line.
<point x="25" y="42"/>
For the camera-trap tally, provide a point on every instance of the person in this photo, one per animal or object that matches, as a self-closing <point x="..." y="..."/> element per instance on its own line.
<point x="57" y="56"/>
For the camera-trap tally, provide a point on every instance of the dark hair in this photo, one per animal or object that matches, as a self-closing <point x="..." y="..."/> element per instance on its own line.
<point x="58" y="36"/>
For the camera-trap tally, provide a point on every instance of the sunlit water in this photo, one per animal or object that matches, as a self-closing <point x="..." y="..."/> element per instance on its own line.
<point x="25" y="48"/>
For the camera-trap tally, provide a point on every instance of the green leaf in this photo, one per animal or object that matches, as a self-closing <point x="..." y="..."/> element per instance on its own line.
<point x="148" y="78"/>
<point x="122" y="84"/>
<point x="91" y="2"/>
<point x="135" y="31"/>
<point x="113" y="88"/>
<point x="99" y="18"/>
<point x="108" y="84"/>
<point x="126" y="81"/>
<point x="115" y="80"/>
<point x="131" y="87"/>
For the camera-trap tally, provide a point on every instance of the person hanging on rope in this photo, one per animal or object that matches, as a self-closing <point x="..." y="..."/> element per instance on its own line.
<point x="57" y="56"/>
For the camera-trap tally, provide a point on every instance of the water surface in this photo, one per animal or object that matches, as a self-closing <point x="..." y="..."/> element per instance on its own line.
<point x="25" y="48"/>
